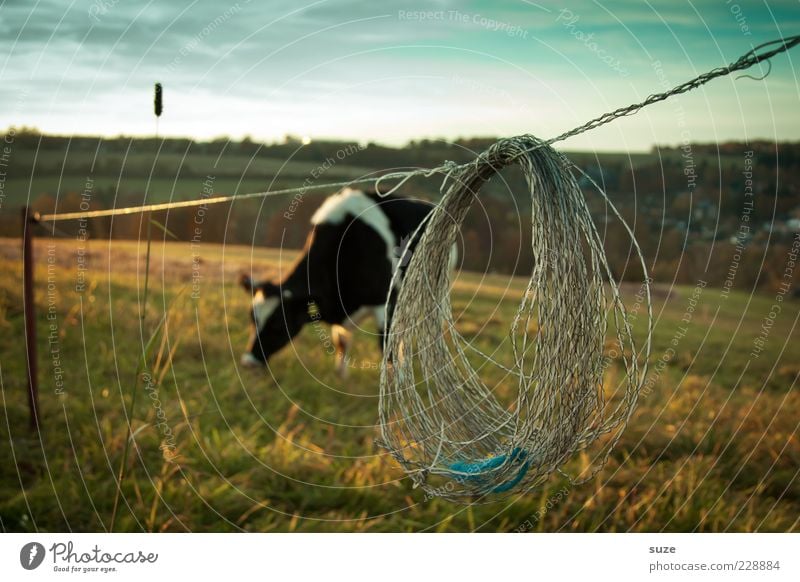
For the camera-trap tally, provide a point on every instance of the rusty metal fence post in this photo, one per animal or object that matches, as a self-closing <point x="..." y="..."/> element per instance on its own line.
<point x="28" y="223"/>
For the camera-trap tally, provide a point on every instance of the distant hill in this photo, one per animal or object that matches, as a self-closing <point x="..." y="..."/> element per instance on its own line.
<point x="685" y="202"/>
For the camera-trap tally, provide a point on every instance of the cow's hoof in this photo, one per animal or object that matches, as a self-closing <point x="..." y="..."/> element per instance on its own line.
<point x="248" y="360"/>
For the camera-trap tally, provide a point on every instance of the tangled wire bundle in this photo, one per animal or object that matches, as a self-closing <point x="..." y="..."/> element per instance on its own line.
<point x="448" y="430"/>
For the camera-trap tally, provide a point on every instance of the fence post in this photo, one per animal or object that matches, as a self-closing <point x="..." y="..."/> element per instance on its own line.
<point x="28" y="222"/>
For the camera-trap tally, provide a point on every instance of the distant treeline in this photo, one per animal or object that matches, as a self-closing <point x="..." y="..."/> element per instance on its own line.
<point x="371" y="155"/>
<point x="424" y="152"/>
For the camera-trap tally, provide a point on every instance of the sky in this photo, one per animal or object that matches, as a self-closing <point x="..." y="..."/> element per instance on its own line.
<point x="393" y="71"/>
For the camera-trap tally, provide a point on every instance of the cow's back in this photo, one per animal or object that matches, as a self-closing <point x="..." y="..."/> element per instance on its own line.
<point x="356" y="242"/>
<point x="404" y="214"/>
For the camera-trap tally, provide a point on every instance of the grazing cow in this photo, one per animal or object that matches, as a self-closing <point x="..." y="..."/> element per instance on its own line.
<point x="356" y="243"/>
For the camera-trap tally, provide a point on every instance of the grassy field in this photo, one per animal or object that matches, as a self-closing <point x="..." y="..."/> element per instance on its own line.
<point x="712" y="446"/>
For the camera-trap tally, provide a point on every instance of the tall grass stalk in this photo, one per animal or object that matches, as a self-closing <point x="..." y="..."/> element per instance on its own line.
<point x="139" y="369"/>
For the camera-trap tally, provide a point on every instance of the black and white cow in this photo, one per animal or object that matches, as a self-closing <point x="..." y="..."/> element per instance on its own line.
<point x="356" y="242"/>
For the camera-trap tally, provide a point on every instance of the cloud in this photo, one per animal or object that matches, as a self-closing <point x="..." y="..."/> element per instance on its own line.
<point x="342" y="66"/>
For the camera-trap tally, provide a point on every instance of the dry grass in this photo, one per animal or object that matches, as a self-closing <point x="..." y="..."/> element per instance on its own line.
<point x="713" y="445"/>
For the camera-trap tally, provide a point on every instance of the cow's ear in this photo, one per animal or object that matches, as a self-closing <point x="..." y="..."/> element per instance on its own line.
<point x="246" y="282"/>
<point x="270" y="289"/>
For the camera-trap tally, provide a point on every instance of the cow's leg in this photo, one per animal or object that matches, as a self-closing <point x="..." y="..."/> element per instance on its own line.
<point x="341" y="341"/>
<point x="342" y="336"/>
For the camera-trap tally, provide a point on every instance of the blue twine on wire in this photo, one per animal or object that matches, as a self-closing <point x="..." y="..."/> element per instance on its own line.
<point x="479" y="472"/>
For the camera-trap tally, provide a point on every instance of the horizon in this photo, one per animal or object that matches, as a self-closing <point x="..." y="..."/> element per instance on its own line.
<point x="405" y="145"/>
<point x="395" y="73"/>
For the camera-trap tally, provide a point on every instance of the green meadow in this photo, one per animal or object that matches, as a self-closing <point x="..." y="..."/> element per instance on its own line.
<point x="712" y="445"/>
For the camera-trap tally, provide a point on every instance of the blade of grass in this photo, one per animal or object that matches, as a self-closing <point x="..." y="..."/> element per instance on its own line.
<point x="143" y="312"/>
<point x="142" y="363"/>
<point x="141" y="367"/>
<point x="163" y="228"/>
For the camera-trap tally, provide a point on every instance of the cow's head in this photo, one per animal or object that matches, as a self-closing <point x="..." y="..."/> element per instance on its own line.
<point x="276" y="316"/>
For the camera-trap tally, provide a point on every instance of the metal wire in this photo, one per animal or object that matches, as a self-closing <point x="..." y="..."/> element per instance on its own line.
<point x="746" y="61"/>
<point x="453" y="434"/>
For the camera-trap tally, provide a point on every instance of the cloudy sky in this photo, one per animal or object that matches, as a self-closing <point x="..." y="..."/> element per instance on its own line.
<point x="391" y="71"/>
